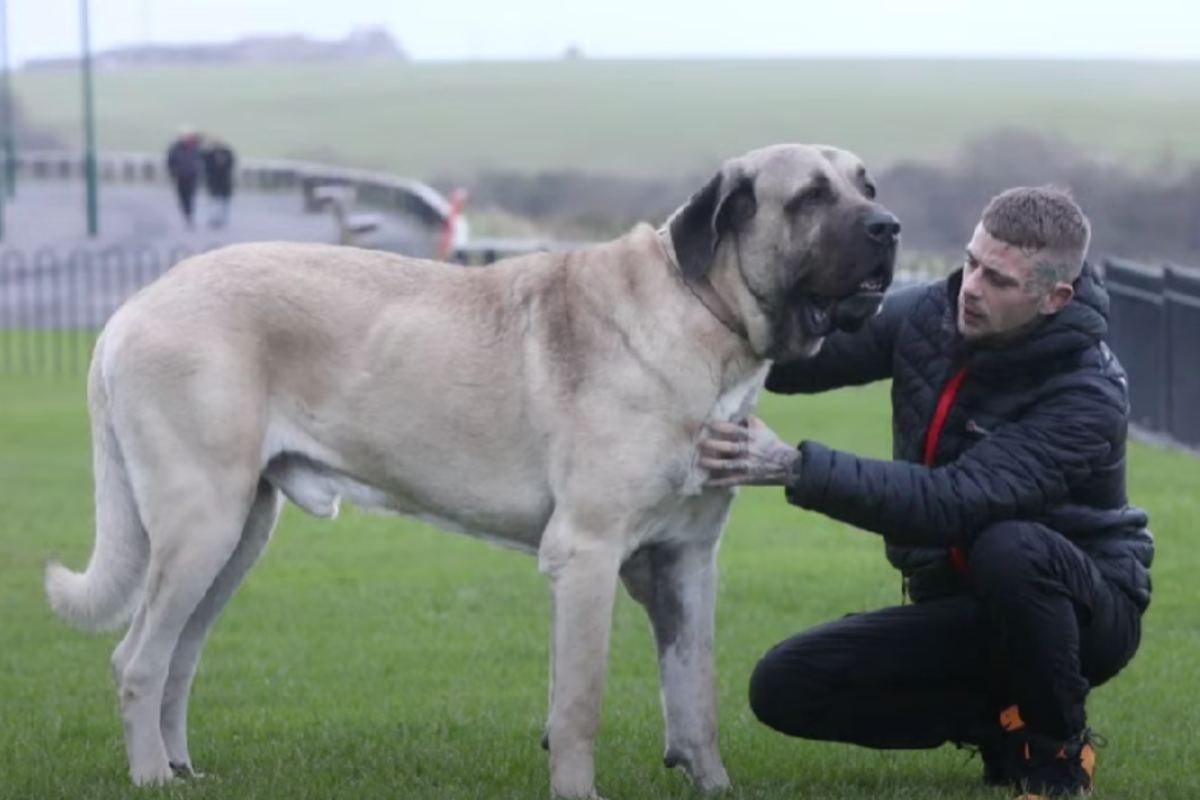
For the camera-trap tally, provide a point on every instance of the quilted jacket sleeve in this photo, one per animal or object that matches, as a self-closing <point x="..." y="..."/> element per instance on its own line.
<point x="850" y="359"/>
<point x="1015" y="473"/>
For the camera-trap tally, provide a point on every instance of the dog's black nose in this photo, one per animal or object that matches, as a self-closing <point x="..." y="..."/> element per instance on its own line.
<point x="882" y="226"/>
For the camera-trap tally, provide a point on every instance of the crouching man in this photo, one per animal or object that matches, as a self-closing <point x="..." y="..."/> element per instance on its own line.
<point x="1005" y="509"/>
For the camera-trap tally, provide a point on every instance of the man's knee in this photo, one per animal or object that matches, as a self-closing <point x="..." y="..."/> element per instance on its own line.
<point x="786" y="692"/>
<point x="1011" y="558"/>
<point x="766" y="685"/>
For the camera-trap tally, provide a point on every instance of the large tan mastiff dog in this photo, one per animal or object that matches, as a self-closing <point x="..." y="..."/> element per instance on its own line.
<point x="551" y="402"/>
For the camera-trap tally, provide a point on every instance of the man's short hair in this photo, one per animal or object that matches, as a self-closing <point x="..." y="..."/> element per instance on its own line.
<point x="1045" y="219"/>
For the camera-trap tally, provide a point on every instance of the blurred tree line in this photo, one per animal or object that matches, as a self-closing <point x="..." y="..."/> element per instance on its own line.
<point x="24" y="135"/>
<point x="1146" y="215"/>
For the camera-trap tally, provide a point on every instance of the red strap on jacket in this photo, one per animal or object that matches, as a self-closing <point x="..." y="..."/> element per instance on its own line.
<point x="939" y="416"/>
<point x="945" y="401"/>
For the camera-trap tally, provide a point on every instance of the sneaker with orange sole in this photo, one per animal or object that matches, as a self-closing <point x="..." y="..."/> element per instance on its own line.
<point x="1057" y="768"/>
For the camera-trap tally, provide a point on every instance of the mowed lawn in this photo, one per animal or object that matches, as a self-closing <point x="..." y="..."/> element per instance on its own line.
<point x="375" y="657"/>
<point x="626" y="117"/>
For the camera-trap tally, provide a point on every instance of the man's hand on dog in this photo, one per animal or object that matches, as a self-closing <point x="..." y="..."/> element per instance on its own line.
<point x="745" y="455"/>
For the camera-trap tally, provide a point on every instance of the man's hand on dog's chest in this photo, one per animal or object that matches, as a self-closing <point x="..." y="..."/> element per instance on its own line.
<point x="748" y="454"/>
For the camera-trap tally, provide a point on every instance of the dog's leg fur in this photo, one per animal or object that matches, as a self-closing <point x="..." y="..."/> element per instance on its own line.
<point x="198" y="532"/>
<point x="255" y="534"/>
<point x="583" y="572"/>
<point x="550" y="704"/>
<point x="676" y="584"/>
<point x="194" y="498"/>
<point x="124" y="649"/>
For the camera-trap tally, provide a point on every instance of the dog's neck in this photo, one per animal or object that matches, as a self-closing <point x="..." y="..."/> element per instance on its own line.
<point x="704" y="291"/>
<point x="737" y="361"/>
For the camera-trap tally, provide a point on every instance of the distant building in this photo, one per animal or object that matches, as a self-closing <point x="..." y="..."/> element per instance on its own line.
<point x="362" y="44"/>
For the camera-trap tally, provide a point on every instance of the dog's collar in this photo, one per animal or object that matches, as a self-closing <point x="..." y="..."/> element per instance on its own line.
<point x="705" y="292"/>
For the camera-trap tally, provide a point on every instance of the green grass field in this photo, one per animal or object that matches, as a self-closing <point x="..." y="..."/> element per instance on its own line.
<point x="632" y="117"/>
<point x="374" y="657"/>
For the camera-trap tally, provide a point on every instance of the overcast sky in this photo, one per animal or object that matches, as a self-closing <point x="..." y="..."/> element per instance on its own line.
<point x="517" y="29"/>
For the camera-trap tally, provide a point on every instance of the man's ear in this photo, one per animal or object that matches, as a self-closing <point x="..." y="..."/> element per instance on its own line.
<point x="723" y="205"/>
<point x="1060" y="295"/>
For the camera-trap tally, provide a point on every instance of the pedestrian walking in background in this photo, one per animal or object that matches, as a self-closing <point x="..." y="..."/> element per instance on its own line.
<point x="219" y="162"/>
<point x="183" y="165"/>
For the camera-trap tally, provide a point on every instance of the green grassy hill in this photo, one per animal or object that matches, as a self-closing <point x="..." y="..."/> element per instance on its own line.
<point x="645" y="117"/>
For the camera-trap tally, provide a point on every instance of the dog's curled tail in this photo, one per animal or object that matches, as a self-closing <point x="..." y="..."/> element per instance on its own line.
<point x="104" y="595"/>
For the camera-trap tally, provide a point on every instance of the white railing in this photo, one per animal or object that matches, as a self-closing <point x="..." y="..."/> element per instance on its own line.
<point x="378" y="190"/>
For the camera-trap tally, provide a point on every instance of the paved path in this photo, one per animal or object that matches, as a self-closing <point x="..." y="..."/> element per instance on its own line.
<point x="53" y="276"/>
<point x="52" y="214"/>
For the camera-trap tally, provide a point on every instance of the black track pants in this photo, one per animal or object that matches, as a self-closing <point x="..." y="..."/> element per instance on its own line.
<point x="1040" y="628"/>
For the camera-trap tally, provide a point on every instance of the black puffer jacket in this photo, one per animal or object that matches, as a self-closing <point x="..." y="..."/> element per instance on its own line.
<point x="1037" y="432"/>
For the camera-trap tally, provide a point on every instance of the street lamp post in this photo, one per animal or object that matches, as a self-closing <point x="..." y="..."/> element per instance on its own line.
<point x="7" y="190"/>
<point x="89" y="131"/>
<point x="10" y="159"/>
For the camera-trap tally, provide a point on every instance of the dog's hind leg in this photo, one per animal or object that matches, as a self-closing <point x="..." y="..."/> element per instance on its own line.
<point x="193" y="463"/>
<point x="124" y="649"/>
<point x="255" y="534"/>
<point x="202" y="528"/>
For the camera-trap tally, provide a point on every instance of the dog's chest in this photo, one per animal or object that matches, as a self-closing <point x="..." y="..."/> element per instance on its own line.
<point x="735" y="404"/>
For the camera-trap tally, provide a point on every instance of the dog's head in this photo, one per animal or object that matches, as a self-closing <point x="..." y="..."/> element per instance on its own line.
<point x="794" y="234"/>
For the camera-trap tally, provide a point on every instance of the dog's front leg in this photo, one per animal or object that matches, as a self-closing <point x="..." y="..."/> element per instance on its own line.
<point x="582" y="568"/>
<point x="676" y="583"/>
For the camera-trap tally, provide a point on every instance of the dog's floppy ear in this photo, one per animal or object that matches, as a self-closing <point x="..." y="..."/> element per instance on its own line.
<point x="724" y="204"/>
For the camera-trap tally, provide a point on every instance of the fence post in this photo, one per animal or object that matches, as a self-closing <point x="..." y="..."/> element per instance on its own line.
<point x="1137" y="333"/>
<point x="1183" y="343"/>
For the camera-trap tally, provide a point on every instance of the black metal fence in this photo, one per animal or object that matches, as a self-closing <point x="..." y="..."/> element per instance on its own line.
<point x="1154" y="328"/>
<point x="52" y="302"/>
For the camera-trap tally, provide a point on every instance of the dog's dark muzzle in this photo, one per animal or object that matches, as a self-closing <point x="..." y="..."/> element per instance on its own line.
<point x="883" y="236"/>
<point x="877" y="241"/>
<point x="822" y="315"/>
<point x="850" y="313"/>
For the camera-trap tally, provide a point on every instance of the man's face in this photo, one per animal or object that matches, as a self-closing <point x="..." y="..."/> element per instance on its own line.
<point x="997" y="298"/>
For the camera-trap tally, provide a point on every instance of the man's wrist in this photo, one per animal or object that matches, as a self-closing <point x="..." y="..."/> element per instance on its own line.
<point x="796" y="462"/>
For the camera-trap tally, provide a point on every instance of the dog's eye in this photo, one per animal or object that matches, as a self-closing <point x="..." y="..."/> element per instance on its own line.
<point x="813" y="195"/>
<point x="869" y="190"/>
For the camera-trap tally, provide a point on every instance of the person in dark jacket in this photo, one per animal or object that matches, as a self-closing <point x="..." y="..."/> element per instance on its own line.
<point x="1004" y="508"/>
<point x="183" y="165"/>
<point x="219" y="162"/>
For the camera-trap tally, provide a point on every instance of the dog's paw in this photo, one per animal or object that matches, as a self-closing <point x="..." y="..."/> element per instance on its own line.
<point x="713" y="783"/>
<point x="154" y="776"/>
<point x="186" y="772"/>
<point x="712" y="778"/>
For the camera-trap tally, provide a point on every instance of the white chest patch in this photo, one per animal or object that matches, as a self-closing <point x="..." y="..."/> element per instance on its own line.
<point x="736" y="404"/>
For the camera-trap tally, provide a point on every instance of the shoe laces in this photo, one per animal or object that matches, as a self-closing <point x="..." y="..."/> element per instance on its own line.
<point x="1097" y="740"/>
